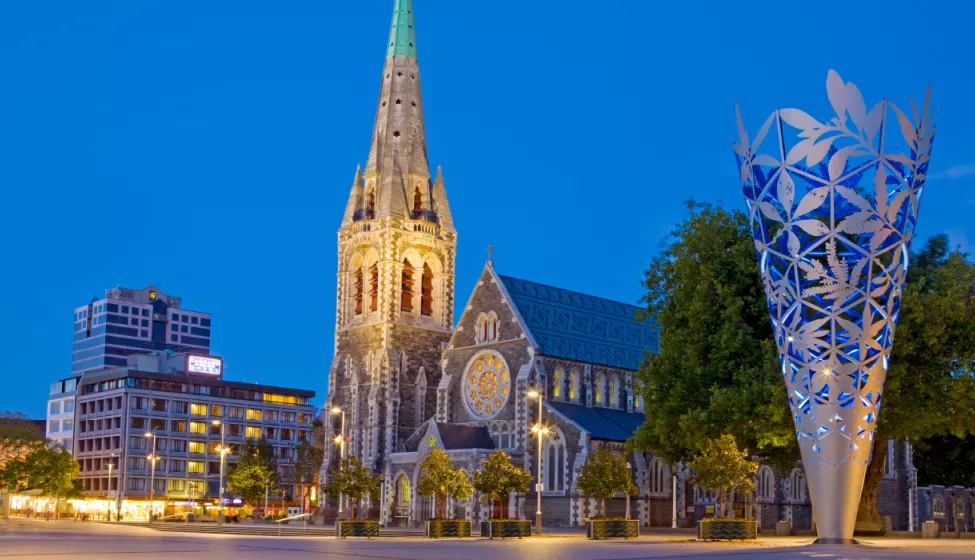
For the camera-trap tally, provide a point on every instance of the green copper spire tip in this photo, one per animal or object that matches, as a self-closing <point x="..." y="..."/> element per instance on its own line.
<point x="402" y="36"/>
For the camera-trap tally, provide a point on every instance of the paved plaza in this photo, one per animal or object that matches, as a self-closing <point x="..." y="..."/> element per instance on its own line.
<point x="67" y="539"/>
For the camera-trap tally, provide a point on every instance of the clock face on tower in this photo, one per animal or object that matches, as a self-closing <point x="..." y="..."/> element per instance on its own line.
<point x="487" y="383"/>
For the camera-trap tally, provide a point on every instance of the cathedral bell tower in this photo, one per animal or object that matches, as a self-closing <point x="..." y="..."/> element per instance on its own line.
<point x="395" y="289"/>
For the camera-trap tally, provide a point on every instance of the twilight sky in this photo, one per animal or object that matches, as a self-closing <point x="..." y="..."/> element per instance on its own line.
<point x="208" y="147"/>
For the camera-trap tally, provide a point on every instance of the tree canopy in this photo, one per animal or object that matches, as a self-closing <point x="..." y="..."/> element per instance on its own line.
<point x="605" y="475"/>
<point x="353" y="481"/>
<point x="717" y="370"/>
<point x="441" y="480"/>
<point x="498" y="478"/>
<point x="724" y="470"/>
<point x="256" y="470"/>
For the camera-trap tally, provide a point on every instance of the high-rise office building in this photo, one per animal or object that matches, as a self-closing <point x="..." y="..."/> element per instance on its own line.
<point x="127" y="322"/>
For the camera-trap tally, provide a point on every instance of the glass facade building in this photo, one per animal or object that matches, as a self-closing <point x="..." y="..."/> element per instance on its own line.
<point x="127" y="322"/>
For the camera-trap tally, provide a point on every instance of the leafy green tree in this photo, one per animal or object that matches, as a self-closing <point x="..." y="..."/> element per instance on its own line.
<point x="307" y="465"/>
<point x="256" y="471"/>
<point x="605" y="475"/>
<point x="353" y="481"/>
<point x="15" y="426"/>
<point x="498" y="479"/>
<point x="717" y="370"/>
<point x="441" y="480"/>
<point x="930" y="388"/>
<point x="946" y="461"/>
<point x="724" y="470"/>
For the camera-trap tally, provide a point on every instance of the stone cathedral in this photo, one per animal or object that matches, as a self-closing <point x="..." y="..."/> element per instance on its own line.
<point x="406" y="379"/>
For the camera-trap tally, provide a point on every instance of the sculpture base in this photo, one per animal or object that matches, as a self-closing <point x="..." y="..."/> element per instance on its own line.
<point x="835" y="541"/>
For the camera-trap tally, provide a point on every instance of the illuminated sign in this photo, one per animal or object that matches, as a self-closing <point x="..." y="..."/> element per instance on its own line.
<point x="152" y="296"/>
<point x="235" y="501"/>
<point x="204" y="364"/>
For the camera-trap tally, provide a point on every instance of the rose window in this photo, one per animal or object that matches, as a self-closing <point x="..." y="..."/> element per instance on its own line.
<point x="486" y="386"/>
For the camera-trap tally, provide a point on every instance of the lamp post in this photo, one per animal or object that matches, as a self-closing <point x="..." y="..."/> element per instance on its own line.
<point x="223" y="457"/>
<point x="152" y="478"/>
<point x="340" y="440"/>
<point x="673" y="524"/>
<point x="541" y="431"/>
<point x="108" y="507"/>
<point x="629" y="470"/>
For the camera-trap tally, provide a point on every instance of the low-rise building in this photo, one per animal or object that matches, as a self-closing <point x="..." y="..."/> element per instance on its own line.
<point x="175" y="408"/>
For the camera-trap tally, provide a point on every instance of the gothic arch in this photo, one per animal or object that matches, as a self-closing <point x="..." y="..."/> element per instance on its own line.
<point x="765" y="486"/>
<point x="555" y="458"/>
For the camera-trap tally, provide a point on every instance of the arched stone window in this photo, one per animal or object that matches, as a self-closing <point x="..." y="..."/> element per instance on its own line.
<point x="374" y="288"/>
<point x="558" y="378"/>
<point x="371" y="202"/>
<point x="486" y="328"/>
<point x="599" y="391"/>
<point x="502" y="435"/>
<point x="574" y="385"/>
<point x="426" y="291"/>
<point x="766" y="484"/>
<point x="659" y="477"/>
<point x="403" y="494"/>
<point x="406" y="287"/>
<point x="554" y="464"/>
<point x="614" y="391"/>
<point x="797" y="486"/>
<point x="357" y="290"/>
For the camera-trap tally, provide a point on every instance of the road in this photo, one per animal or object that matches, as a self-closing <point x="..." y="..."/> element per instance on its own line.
<point x="29" y="539"/>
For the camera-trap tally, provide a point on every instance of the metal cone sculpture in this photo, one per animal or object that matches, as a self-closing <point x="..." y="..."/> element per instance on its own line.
<point x="833" y="207"/>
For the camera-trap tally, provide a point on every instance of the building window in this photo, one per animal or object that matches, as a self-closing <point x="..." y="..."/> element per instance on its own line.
<point x="889" y="461"/>
<point x="196" y="467"/>
<point x="177" y="445"/>
<point x="138" y="423"/>
<point x="403" y="491"/>
<point x="235" y="430"/>
<point x="198" y="427"/>
<point x="304" y="418"/>
<point x="178" y="426"/>
<point x="600" y="388"/>
<point x="197" y="447"/>
<point x="797" y="486"/>
<point x="254" y="414"/>
<point x="67" y="426"/>
<point x="426" y="291"/>
<point x="216" y="410"/>
<point x="766" y="484"/>
<point x="53" y="427"/>
<point x="557" y="380"/>
<point x="198" y="409"/>
<point x="486" y="328"/>
<point x="55" y="408"/>
<point x="374" y="288"/>
<point x="68" y="406"/>
<point x="253" y="432"/>
<point x="659" y="475"/>
<point x="176" y="485"/>
<point x="555" y="466"/>
<point x="178" y="407"/>
<point x="358" y="291"/>
<point x="574" y="385"/>
<point x="614" y="387"/>
<point x="288" y="417"/>
<point x="237" y="412"/>
<point x="406" y="287"/>
<point x="417" y="197"/>
<point x="270" y="415"/>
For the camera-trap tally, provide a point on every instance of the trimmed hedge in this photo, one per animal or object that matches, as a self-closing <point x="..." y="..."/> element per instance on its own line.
<point x="507" y="528"/>
<point x="597" y="529"/>
<point x="358" y="528"/>
<point x="440" y="528"/>
<point x="727" y="529"/>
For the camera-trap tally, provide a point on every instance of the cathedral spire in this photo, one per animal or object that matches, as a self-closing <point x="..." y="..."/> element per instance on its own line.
<point x="397" y="173"/>
<point x="355" y="199"/>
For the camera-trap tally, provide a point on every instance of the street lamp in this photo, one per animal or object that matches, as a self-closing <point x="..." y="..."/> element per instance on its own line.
<point x="541" y="431"/>
<point x="223" y="457"/>
<point x="108" y="508"/>
<point x="340" y="441"/>
<point x="152" y="457"/>
<point x="629" y="472"/>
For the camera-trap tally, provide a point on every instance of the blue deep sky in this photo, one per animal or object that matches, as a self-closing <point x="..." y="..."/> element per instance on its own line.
<point x="208" y="147"/>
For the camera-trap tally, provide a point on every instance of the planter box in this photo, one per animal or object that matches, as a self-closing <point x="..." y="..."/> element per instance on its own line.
<point x="364" y="528"/>
<point x="441" y="528"/>
<point x="727" y="530"/>
<point x="597" y="529"/>
<point x="506" y="529"/>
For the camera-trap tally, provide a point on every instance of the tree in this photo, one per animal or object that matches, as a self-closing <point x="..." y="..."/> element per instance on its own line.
<point x="717" y="369"/>
<point x="353" y="481"/>
<point x="54" y="471"/>
<point x="930" y="389"/>
<point x="605" y="475"/>
<point x="498" y="479"/>
<point x="441" y="480"/>
<point x="945" y="461"/>
<point x="309" y="459"/>
<point x="256" y="472"/>
<point x="722" y="469"/>
<point x="15" y="426"/>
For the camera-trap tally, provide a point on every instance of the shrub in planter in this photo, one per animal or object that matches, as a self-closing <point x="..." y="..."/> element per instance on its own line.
<point x="724" y="470"/>
<point x="498" y="479"/>
<point x="441" y="480"/>
<point x="441" y="528"/>
<point x="727" y="529"/>
<point x="353" y="481"/>
<point x="605" y="475"/>
<point x="612" y="528"/>
<point x="506" y="528"/>
<point x="358" y="528"/>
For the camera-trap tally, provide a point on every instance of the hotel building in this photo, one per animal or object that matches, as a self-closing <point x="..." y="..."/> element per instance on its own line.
<point x="183" y="403"/>
<point x="60" y="412"/>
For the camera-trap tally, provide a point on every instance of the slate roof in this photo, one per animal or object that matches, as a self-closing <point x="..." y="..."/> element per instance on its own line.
<point x="601" y="423"/>
<point x="456" y="436"/>
<point x="580" y="327"/>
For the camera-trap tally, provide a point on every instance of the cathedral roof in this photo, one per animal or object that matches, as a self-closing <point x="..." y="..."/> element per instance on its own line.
<point x="580" y="327"/>
<point x="458" y="436"/>
<point x="600" y="423"/>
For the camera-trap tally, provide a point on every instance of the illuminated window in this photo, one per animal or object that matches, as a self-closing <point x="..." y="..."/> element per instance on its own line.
<point x="304" y="418"/>
<point x="406" y="287"/>
<point x="403" y="491"/>
<point x="614" y="387"/>
<point x="282" y="399"/>
<point x="197" y="447"/>
<point x="254" y="414"/>
<point x="557" y="384"/>
<point x="196" y="467"/>
<point x="426" y="292"/>
<point x="213" y="448"/>
<point x="600" y="388"/>
<point x="574" y="385"/>
<point x="216" y="410"/>
<point x="197" y="409"/>
<point x="198" y="427"/>
<point x="253" y="432"/>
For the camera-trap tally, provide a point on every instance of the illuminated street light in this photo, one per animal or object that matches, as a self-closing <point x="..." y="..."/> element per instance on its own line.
<point x="541" y="430"/>
<point x="340" y="441"/>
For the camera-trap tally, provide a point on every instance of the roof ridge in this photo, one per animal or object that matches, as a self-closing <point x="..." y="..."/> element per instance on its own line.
<point x="506" y="277"/>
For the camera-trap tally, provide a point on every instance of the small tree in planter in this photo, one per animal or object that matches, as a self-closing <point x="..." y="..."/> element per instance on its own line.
<point x="722" y="469"/>
<point x="441" y="480"/>
<point x="355" y="482"/>
<point x="498" y="479"/>
<point x="605" y="475"/>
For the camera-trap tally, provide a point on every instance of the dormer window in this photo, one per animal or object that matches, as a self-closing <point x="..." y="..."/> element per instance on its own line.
<point x="486" y="328"/>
